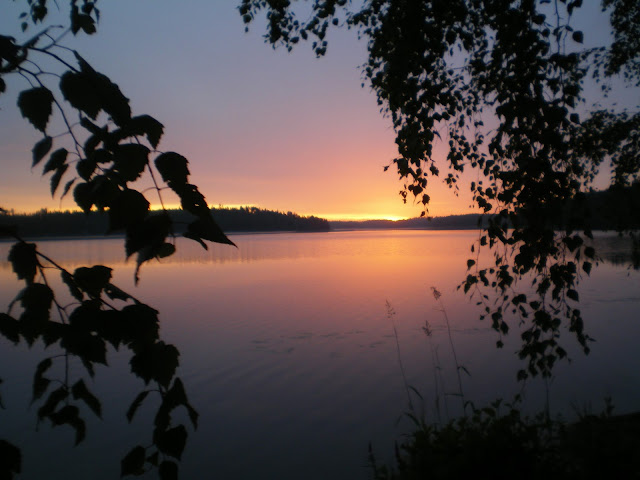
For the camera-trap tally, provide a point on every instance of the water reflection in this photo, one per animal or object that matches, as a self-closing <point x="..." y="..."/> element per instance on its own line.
<point x="74" y="252"/>
<point x="291" y="360"/>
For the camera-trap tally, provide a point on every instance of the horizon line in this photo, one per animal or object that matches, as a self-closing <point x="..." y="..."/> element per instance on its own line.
<point x="338" y="217"/>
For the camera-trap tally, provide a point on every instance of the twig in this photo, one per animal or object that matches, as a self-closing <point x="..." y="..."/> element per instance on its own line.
<point x="437" y="295"/>
<point x="390" y="314"/>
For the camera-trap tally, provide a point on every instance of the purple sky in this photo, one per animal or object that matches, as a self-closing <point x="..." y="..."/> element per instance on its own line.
<point x="260" y="127"/>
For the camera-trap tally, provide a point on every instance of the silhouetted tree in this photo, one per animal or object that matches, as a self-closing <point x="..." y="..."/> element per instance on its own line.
<point x="502" y="84"/>
<point x="104" y="152"/>
<point x="106" y="149"/>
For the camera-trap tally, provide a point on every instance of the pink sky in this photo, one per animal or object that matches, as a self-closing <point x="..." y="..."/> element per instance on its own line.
<point x="260" y="127"/>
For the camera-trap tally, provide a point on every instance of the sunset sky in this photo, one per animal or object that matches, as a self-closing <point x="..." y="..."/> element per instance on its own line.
<point x="278" y="130"/>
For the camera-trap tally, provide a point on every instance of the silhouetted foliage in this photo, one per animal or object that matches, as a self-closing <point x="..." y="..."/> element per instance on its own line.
<point x="440" y="70"/>
<point x="108" y="147"/>
<point x="100" y="315"/>
<point x="499" y="442"/>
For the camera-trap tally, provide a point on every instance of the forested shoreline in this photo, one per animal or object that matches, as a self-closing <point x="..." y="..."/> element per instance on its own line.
<point x="244" y="219"/>
<point x="612" y="209"/>
<point x="597" y="210"/>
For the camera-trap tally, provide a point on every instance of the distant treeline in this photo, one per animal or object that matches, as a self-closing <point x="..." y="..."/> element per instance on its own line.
<point x="613" y="209"/>
<point x="244" y="219"/>
<point x="253" y="219"/>
<point x="451" y="222"/>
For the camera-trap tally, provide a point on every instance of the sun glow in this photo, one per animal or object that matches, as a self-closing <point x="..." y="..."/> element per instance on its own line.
<point x="360" y="217"/>
<point x="327" y="216"/>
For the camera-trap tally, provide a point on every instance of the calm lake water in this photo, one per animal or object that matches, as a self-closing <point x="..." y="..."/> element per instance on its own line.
<point x="288" y="352"/>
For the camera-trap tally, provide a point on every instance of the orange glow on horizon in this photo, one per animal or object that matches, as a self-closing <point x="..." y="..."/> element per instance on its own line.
<point x="328" y="216"/>
<point x="360" y="217"/>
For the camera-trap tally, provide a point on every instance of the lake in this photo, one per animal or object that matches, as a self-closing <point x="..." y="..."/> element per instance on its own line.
<point x="289" y="354"/>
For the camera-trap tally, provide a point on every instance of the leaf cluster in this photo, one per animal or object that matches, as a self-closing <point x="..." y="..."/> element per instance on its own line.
<point x="441" y="70"/>
<point x="83" y="15"/>
<point x="168" y="441"/>
<point x="84" y="330"/>
<point x="108" y="149"/>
